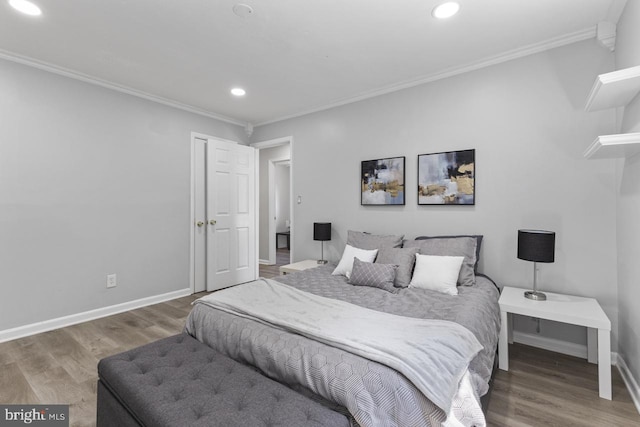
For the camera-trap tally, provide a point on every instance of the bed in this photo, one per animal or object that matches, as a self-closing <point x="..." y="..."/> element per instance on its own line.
<point x="371" y="390"/>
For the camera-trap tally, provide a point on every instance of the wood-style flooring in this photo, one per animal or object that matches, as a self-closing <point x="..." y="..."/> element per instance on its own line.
<point x="541" y="388"/>
<point x="282" y="258"/>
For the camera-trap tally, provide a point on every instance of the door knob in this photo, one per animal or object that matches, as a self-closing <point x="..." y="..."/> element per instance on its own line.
<point x="199" y="223"/>
<point x="212" y="222"/>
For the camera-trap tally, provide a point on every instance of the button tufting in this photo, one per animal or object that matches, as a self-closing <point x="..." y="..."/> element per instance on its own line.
<point x="213" y="378"/>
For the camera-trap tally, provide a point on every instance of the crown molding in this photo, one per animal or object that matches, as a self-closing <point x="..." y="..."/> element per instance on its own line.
<point x="585" y="34"/>
<point x="566" y="39"/>
<point x="606" y="35"/>
<point x="31" y="62"/>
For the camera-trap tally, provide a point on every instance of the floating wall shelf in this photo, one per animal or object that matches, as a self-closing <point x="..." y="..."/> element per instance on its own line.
<point x="615" y="89"/>
<point x="614" y="146"/>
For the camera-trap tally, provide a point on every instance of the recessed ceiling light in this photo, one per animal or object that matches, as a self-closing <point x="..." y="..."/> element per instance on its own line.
<point x="242" y="10"/>
<point x="238" y="91"/>
<point x="446" y="10"/>
<point x="25" y="7"/>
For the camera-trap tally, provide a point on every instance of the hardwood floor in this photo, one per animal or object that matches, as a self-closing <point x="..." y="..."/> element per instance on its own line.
<point x="544" y="388"/>
<point x="282" y="258"/>
<point x="541" y="388"/>
<point x="61" y="366"/>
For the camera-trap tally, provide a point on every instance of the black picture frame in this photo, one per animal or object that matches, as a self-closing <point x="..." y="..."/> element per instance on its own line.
<point x="382" y="182"/>
<point x="447" y="178"/>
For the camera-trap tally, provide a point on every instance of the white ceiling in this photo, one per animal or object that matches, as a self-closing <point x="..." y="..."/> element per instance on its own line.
<point x="291" y="56"/>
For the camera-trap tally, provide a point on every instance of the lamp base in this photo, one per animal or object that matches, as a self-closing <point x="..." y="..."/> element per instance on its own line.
<point x="322" y="261"/>
<point x="535" y="295"/>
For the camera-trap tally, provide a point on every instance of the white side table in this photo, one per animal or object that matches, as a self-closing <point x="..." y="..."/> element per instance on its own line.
<point x="299" y="266"/>
<point x="561" y="308"/>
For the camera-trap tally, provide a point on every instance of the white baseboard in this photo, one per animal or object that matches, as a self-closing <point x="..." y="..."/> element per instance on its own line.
<point x="61" y="322"/>
<point x="559" y="346"/>
<point x="265" y="262"/>
<point x="551" y="344"/>
<point x="629" y="381"/>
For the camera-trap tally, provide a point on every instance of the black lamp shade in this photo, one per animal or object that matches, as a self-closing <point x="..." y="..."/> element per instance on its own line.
<point x="536" y="245"/>
<point x="322" y="231"/>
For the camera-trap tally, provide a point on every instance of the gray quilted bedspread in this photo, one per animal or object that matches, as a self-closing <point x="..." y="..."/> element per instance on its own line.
<point x="475" y="307"/>
<point x="373" y="393"/>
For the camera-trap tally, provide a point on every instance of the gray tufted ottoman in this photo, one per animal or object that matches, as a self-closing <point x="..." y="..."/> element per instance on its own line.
<point x="178" y="381"/>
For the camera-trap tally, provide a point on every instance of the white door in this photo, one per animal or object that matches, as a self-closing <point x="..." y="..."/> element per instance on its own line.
<point x="200" y="215"/>
<point x="224" y="238"/>
<point x="231" y="217"/>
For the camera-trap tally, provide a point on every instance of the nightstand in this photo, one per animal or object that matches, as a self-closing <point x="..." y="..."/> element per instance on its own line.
<point x="298" y="266"/>
<point x="561" y="308"/>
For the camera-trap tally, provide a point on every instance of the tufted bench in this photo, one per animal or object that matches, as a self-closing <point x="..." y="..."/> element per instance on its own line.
<point x="178" y="381"/>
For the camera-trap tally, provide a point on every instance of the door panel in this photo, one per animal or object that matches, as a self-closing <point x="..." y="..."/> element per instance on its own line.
<point x="243" y="193"/>
<point x="222" y="202"/>
<point x="243" y="247"/>
<point x="221" y="254"/>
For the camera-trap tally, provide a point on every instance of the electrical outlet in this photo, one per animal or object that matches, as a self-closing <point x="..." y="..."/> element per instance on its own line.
<point x="112" y="281"/>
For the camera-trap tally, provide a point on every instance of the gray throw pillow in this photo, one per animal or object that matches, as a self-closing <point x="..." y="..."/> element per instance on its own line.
<point x="478" y="238"/>
<point x="373" y="275"/>
<point x="404" y="258"/>
<point x="361" y="240"/>
<point x="453" y="246"/>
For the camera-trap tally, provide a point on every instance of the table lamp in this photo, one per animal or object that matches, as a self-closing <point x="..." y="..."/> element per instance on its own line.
<point x="322" y="232"/>
<point x="536" y="246"/>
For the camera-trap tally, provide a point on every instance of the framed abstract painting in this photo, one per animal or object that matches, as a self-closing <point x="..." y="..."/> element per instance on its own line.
<point x="447" y="178"/>
<point x="382" y="181"/>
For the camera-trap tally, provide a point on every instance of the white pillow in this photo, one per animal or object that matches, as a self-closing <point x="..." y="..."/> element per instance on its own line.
<point x="346" y="263"/>
<point x="437" y="273"/>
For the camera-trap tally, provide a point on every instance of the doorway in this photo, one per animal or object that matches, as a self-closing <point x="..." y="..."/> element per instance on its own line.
<point x="223" y="214"/>
<point x="276" y="222"/>
<point x="280" y="205"/>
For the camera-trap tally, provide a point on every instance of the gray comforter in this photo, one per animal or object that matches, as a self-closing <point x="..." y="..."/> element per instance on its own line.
<point x="475" y="307"/>
<point x="373" y="393"/>
<point x="433" y="354"/>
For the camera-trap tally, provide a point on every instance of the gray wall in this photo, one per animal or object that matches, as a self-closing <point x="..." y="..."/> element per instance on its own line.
<point x="526" y="120"/>
<point x="92" y="182"/>
<point x="628" y="201"/>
